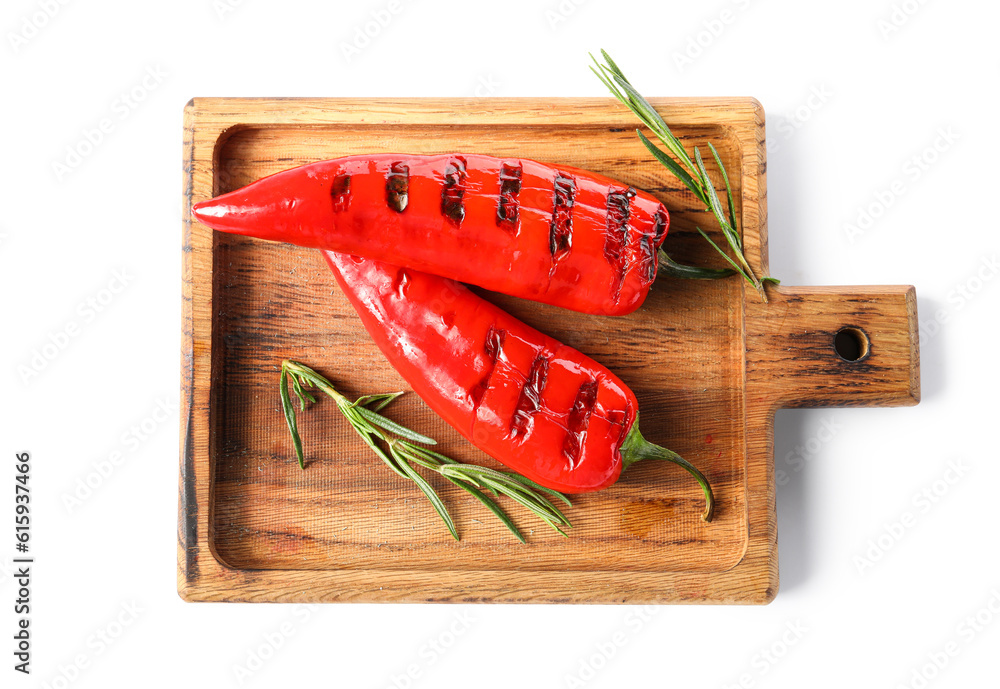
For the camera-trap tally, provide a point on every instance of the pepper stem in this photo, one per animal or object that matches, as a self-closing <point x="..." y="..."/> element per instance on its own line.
<point x="636" y="448"/>
<point x="668" y="266"/>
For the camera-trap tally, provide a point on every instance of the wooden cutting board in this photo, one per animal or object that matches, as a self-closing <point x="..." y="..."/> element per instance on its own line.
<point x="709" y="362"/>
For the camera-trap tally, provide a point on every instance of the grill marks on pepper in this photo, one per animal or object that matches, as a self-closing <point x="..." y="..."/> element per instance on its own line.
<point x="397" y="187"/>
<point x="561" y="227"/>
<point x="452" y="194"/>
<point x="618" y="417"/>
<point x="340" y="193"/>
<point x="507" y="203"/>
<point x="660" y="222"/>
<point x="579" y="420"/>
<point x="616" y="238"/>
<point x="647" y="250"/>
<point x="647" y="258"/>
<point x="495" y="338"/>
<point x="529" y="401"/>
<point x="616" y="234"/>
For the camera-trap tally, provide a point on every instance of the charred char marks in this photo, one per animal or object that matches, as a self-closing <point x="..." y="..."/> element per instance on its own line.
<point x="660" y="223"/>
<point x="397" y="187"/>
<point x="561" y="229"/>
<point x="452" y="205"/>
<point x="507" y="204"/>
<point x="529" y="401"/>
<point x="617" y="224"/>
<point x="579" y="420"/>
<point x="340" y="193"/>
<point x="494" y="342"/>
<point x="618" y="417"/>
<point x="647" y="258"/>
<point x="494" y="345"/>
<point x="616" y="233"/>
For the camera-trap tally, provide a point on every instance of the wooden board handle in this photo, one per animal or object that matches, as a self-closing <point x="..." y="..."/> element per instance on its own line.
<point x="835" y="346"/>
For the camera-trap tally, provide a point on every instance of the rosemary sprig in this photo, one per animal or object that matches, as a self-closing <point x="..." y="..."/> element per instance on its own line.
<point x="405" y="453"/>
<point x="691" y="173"/>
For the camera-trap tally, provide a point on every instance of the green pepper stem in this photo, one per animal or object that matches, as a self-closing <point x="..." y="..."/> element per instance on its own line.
<point x="636" y="448"/>
<point x="668" y="266"/>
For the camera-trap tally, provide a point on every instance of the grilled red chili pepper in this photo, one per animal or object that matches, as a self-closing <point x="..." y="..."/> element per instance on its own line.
<point x="542" y="408"/>
<point x="557" y="235"/>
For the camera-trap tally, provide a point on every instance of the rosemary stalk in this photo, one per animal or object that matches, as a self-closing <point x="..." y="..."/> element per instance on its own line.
<point x="691" y="173"/>
<point x="402" y="451"/>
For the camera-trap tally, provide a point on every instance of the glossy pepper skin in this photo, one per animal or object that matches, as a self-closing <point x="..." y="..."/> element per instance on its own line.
<point x="552" y="234"/>
<point x="544" y="409"/>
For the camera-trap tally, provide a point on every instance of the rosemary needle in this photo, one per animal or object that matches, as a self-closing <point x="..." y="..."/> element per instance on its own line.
<point x="402" y="450"/>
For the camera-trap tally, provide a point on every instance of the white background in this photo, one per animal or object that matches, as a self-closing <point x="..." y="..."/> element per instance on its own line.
<point x="889" y="89"/>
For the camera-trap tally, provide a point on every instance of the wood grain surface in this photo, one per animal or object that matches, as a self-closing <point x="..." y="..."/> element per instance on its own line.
<point x="708" y="362"/>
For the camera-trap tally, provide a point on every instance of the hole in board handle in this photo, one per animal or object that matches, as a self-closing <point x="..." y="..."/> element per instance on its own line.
<point x="851" y="344"/>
